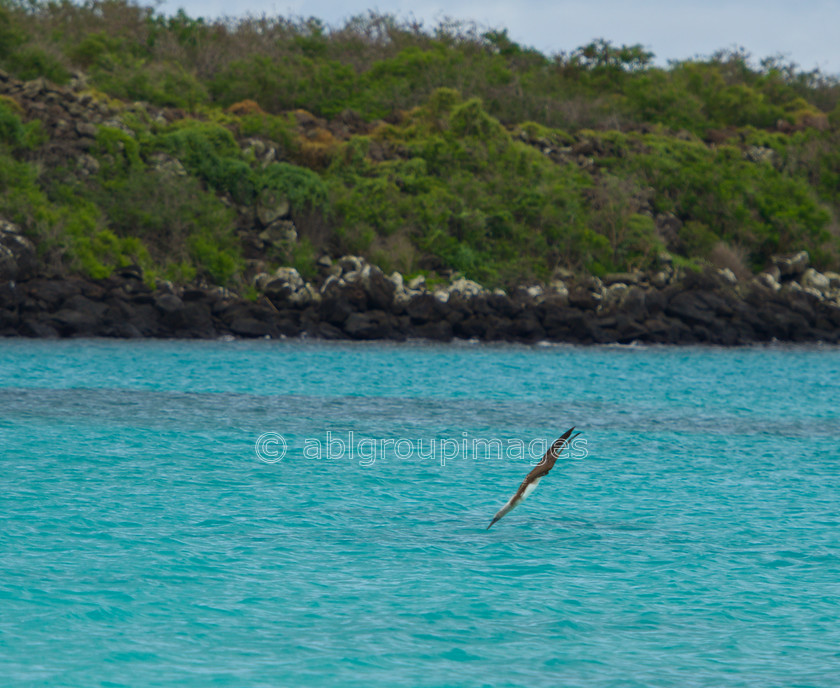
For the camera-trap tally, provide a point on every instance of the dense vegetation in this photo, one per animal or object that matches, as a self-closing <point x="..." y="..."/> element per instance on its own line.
<point x="451" y="149"/>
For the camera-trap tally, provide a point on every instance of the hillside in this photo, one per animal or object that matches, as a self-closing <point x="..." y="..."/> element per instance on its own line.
<point x="210" y="152"/>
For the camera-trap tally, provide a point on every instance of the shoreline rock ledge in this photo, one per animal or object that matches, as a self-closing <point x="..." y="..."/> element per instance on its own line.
<point x="352" y="299"/>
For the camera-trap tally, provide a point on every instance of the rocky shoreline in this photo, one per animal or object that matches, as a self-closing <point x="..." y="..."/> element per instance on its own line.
<point x="351" y="299"/>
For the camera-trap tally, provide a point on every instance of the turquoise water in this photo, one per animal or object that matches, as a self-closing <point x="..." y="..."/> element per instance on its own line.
<point x="144" y="543"/>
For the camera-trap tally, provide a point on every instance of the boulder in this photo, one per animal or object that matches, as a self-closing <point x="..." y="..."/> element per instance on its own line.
<point x="284" y="284"/>
<point x="146" y="318"/>
<point x="50" y="294"/>
<point x="633" y="303"/>
<point x="613" y="297"/>
<point x="439" y="331"/>
<point x="655" y="300"/>
<point x="33" y="327"/>
<point x="132" y="273"/>
<point x="10" y="296"/>
<point x="192" y="320"/>
<point x="811" y="279"/>
<point x="766" y="280"/>
<point x="425" y="308"/>
<point x="668" y="227"/>
<point x="622" y="278"/>
<point x="290" y="276"/>
<point x="691" y="308"/>
<point x="417" y="283"/>
<point x="161" y="163"/>
<point x="122" y="330"/>
<point x="791" y="265"/>
<point x="70" y="322"/>
<point x="89" y="165"/>
<point x="246" y="326"/>
<point x="17" y="253"/>
<point x="628" y="329"/>
<point x="306" y="296"/>
<point x="727" y="276"/>
<point x="558" y="289"/>
<point x="261" y="279"/>
<point x="471" y="327"/>
<point x="189" y="295"/>
<point x="535" y="292"/>
<point x="526" y="327"/>
<point x="583" y="298"/>
<point x="168" y="303"/>
<point x="279" y="232"/>
<point x="335" y="309"/>
<point x="833" y="279"/>
<point x="374" y="324"/>
<point x="350" y="264"/>
<point x="661" y="279"/>
<point x="498" y="328"/>
<point x="82" y="304"/>
<point x="759" y="154"/>
<point x="502" y="305"/>
<point x="466" y="288"/>
<point x="379" y="289"/>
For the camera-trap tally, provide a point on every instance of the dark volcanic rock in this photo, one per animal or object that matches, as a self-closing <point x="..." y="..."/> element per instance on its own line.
<point x="582" y="298"/>
<point x="335" y="309"/>
<point x="325" y="330"/>
<point x="357" y="301"/>
<point x="370" y="325"/>
<point x="246" y="326"/>
<point x="628" y="330"/>
<point x="425" y="308"/>
<point x="96" y="309"/>
<point x="32" y="327"/>
<point x="379" y="290"/>
<point x="634" y="304"/>
<point x="190" y="320"/>
<point x="70" y="322"/>
<point x="526" y="327"/>
<point x="440" y="331"/>
<point x="17" y="253"/>
<point x="472" y="327"/>
<point x="502" y="305"/>
<point x="691" y="307"/>
<point x="146" y="319"/>
<point x="168" y="303"/>
<point x="50" y="294"/>
<point x="122" y="330"/>
<point x="792" y="265"/>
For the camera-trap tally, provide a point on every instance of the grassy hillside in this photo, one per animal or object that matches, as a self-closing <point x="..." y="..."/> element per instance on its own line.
<point x="232" y="147"/>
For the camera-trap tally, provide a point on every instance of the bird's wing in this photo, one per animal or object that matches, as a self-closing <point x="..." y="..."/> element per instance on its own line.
<point x="548" y="460"/>
<point x="536" y="474"/>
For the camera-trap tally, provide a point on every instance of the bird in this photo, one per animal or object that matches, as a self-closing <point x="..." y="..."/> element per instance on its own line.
<point x="537" y="473"/>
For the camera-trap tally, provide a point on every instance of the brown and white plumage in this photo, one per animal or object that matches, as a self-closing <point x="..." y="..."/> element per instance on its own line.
<point x="537" y="473"/>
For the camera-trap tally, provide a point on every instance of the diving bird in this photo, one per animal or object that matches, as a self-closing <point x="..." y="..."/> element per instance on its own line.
<point x="537" y="473"/>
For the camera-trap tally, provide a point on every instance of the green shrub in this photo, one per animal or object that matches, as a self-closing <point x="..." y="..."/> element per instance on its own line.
<point x="276" y="128"/>
<point x="31" y="62"/>
<point x="476" y="171"/>
<point x="176" y="218"/>
<point x="13" y="132"/>
<point x="117" y="151"/>
<point x="304" y="189"/>
<point x="210" y="152"/>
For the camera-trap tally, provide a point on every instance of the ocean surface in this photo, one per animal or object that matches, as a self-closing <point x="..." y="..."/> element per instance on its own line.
<point x="199" y="514"/>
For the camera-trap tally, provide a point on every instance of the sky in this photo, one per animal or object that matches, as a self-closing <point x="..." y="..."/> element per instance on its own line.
<point x="804" y="32"/>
